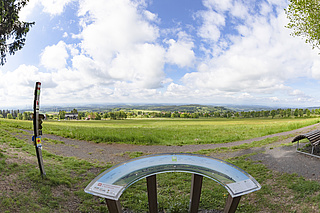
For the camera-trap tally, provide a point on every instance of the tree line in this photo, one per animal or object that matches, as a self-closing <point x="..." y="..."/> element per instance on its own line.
<point x="121" y="114"/>
<point x="15" y="114"/>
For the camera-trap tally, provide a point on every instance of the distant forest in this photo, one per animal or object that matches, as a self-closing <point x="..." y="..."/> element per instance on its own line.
<point x="165" y="111"/>
<point x="15" y="114"/>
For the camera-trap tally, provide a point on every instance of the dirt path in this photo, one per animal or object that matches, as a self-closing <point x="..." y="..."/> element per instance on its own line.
<point x="283" y="159"/>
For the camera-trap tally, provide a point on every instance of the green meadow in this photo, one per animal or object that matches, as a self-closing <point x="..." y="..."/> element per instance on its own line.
<point x="23" y="189"/>
<point x="167" y="131"/>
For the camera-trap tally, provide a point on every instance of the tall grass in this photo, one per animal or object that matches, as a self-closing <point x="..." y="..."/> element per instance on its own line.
<point x="167" y="131"/>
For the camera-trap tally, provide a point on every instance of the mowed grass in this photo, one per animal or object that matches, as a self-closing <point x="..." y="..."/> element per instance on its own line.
<point x="23" y="189"/>
<point x="167" y="131"/>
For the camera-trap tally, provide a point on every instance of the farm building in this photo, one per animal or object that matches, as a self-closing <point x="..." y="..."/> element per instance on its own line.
<point x="71" y="116"/>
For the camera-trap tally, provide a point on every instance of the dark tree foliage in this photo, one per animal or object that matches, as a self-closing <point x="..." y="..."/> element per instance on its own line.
<point x="12" y="30"/>
<point x="304" y="19"/>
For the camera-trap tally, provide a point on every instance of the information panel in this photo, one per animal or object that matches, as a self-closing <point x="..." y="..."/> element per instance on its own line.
<point x="112" y="182"/>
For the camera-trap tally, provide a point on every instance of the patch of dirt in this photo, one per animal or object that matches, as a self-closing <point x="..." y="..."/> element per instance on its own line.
<point x="16" y="156"/>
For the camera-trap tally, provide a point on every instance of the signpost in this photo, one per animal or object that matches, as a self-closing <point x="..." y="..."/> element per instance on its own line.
<point x="37" y="127"/>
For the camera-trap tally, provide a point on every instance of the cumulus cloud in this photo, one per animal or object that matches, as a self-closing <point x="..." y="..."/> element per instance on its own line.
<point x="180" y="52"/>
<point x="259" y="60"/>
<point x="142" y="65"/>
<point x="218" y="5"/>
<point x="55" y="57"/>
<point x="119" y="36"/>
<point x="112" y="26"/>
<point x="28" y="9"/>
<point x="54" y="7"/>
<point x="117" y="55"/>
<point x="212" y="21"/>
<point x="18" y="86"/>
<point x="235" y="51"/>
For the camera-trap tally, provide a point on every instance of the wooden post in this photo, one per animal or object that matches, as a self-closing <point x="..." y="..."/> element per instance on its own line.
<point x="114" y="206"/>
<point x="195" y="194"/>
<point x="231" y="204"/>
<point x="152" y="194"/>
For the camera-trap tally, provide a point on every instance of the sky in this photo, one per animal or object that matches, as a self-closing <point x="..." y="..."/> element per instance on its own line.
<point x="161" y="51"/>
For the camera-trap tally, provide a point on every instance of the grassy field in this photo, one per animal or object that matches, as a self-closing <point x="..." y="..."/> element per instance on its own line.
<point x="167" y="131"/>
<point x="23" y="189"/>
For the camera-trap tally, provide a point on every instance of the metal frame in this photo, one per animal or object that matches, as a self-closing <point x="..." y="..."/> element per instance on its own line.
<point x="111" y="183"/>
<point x="310" y="154"/>
<point x="114" y="206"/>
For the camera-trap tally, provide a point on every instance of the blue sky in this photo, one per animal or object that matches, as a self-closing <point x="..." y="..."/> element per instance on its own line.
<point x="161" y="51"/>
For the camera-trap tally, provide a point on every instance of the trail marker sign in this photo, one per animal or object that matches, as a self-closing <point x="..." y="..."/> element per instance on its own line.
<point x="37" y="127"/>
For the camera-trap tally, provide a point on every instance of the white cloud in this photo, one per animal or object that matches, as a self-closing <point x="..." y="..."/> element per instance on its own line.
<point x="274" y="99"/>
<point x="119" y="37"/>
<point x="17" y="87"/>
<point x="315" y="69"/>
<point x="265" y="9"/>
<point x="151" y="16"/>
<point x="245" y="96"/>
<point x="296" y="92"/>
<point x="218" y="5"/>
<point x="55" y="57"/>
<point x="28" y="10"/>
<point x="212" y="21"/>
<point x="240" y="52"/>
<point x="54" y="7"/>
<point x="259" y="62"/>
<point x="177" y="93"/>
<point x="142" y="65"/>
<point x="118" y="58"/>
<point x="180" y="52"/>
<point x="112" y="26"/>
<point x="239" y="10"/>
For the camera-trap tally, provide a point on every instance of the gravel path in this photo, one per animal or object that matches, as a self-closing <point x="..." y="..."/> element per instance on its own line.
<point x="278" y="158"/>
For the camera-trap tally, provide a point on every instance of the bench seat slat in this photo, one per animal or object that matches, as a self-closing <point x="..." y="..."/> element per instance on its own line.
<point x="316" y="143"/>
<point x="313" y="136"/>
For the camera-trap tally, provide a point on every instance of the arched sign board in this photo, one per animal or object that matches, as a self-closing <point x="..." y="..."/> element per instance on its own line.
<point x="111" y="183"/>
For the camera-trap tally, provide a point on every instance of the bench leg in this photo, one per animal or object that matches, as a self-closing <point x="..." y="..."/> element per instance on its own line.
<point x="114" y="206"/>
<point x="231" y="204"/>
<point x="195" y="194"/>
<point x="152" y="193"/>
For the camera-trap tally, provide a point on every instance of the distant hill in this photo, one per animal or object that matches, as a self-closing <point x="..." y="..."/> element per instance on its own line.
<point x="188" y="108"/>
<point x="192" y="108"/>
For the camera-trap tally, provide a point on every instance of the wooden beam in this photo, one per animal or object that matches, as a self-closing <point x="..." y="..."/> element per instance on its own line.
<point x="231" y="204"/>
<point x="114" y="206"/>
<point x="152" y="194"/>
<point x="195" y="194"/>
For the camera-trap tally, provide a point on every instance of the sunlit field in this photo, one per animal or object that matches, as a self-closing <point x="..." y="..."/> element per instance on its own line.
<point x="67" y="177"/>
<point x="167" y="131"/>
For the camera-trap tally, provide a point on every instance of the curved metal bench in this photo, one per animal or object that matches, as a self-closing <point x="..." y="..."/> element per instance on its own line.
<point x="314" y="139"/>
<point x="111" y="183"/>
